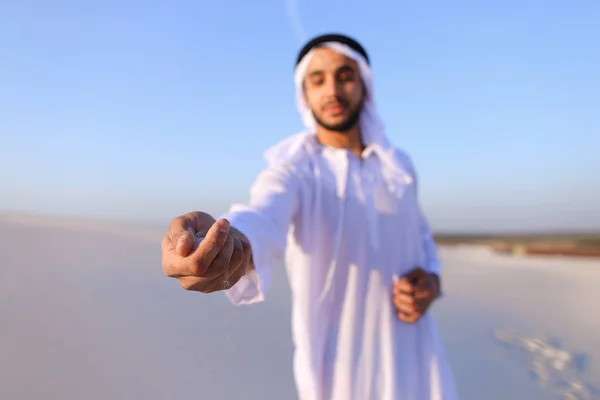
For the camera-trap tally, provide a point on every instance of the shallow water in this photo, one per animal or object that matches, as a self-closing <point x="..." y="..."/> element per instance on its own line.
<point x="88" y="314"/>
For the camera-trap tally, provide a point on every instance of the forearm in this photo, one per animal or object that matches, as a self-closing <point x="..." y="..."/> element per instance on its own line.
<point x="256" y="230"/>
<point x="263" y="224"/>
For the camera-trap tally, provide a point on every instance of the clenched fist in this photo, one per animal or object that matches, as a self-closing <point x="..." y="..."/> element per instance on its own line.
<point x="205" y="255"/>
<point x="413" y="294"/>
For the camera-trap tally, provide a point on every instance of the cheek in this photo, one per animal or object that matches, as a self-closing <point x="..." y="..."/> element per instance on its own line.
<point x="351" y="92"/>
<point x="356" y="94"/>
<point x="312" y="99"/>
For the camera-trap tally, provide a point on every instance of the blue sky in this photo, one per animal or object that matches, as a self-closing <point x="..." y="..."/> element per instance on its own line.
<point x="143" y="110"/>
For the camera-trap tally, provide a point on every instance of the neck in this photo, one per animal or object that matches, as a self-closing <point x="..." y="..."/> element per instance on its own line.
<point x="351" y="139"/>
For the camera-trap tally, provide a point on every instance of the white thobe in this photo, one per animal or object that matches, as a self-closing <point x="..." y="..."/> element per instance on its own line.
<point x="345" y="227"/>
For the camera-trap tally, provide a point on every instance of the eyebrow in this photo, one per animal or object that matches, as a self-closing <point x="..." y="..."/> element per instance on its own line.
<point x="344" y="67"/>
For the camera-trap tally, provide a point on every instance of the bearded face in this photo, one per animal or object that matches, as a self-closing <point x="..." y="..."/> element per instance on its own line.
<point x="334" y="90"/>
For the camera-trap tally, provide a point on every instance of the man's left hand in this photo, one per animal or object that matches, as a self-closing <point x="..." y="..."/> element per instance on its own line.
<point x="413" y="294"/>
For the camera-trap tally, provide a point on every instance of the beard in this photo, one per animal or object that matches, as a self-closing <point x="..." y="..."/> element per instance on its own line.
<point x="343" y="126"/>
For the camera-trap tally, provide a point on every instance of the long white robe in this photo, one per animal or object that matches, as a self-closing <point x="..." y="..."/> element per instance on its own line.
<point x="345" y="227"/>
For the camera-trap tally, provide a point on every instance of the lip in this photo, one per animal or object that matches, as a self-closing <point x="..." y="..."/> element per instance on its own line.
<point x="337" y="109"/>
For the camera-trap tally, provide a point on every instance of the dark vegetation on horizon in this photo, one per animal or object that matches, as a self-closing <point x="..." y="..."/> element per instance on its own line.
<point x="586" y="239"/>
<point x="562" y="243"/>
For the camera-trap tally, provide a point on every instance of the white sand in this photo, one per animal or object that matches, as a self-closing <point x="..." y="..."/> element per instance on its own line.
<point x="85" y="313"/>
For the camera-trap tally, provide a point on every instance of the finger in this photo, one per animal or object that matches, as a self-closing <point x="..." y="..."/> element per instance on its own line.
<point x="422" y="304"/>
<point x="247" y="254"/>
<point x="180" y="226"/>
<point x="237" y="267"/>
<point x="406" y="308"/>
<point x="184" y="242"/>
<point x="214" y="280"/>
<point x="409" y="318"/>
<point x="237" y="275"/>
<point x="204" y="285"/>
<point x="168" y="251"/>
<point x="221" y="282"/>
<point x="210" y="247"/>
<point x="402" y="300"/>
<point x="225" y="281"/>
<point x="221" y="262"/>
<point x="194" y="283"/>
<point x="166" y="246"/>
<point x="406" y="315"/>
<point x="224" y="257"/>
<point x="423" y="288"/>
<point x="421" y="309"/>
<point x="404" y="286"/>
<point x="404" y="303"/>
<point x="423" y="294"/>
<point x="174" y="266"/>
<point x="237" y="256"/>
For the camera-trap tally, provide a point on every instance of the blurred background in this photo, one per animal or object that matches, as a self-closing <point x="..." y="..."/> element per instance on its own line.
<point x="117" y="116"/>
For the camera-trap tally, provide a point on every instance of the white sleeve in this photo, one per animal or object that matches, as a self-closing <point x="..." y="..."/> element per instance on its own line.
<point x="265" y="221"/>
<point x="432" y="260"/>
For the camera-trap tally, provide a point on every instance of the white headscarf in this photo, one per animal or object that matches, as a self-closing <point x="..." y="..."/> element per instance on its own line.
<point x="372" y="126"/>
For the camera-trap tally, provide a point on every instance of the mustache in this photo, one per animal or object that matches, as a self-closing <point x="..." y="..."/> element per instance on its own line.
<point x="337" y="102"/>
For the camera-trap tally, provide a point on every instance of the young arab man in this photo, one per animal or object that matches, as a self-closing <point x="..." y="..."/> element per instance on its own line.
<point x="337" y="203"/>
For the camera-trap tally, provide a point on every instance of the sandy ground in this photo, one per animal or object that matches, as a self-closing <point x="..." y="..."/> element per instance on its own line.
<point x="85" y="313"/>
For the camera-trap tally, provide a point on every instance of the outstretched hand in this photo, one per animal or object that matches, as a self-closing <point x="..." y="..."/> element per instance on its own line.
<point x="205" y="255"/>
<point x="413" y="294"/>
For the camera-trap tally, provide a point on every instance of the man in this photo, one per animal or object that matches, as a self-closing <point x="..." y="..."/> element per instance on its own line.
<point x="337" y="203"/>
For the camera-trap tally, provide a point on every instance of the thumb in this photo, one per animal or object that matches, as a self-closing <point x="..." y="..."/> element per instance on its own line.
<point x="211" y="244"/>
<point x="217" y="234"/>
<point x="184" y="242"/>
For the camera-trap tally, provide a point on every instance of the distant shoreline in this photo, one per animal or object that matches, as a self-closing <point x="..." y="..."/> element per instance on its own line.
<point x="579" y="244"/>
<point x="549" y="244"/>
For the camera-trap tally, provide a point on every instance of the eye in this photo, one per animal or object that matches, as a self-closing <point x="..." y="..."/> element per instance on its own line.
<point x="346" y="76"/>
<point x="315" y="79"/>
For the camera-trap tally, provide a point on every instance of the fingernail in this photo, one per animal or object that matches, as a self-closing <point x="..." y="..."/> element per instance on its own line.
<point x="223" y="226"/>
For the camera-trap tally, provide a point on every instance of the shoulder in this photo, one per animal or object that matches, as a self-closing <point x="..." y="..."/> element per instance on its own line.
<point x="404" y="159"/>
<point x="287" y="162"/>
<point x="293" y="152"/>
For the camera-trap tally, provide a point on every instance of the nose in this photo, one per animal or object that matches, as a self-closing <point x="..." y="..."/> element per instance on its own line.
<point x="331" y="88"/>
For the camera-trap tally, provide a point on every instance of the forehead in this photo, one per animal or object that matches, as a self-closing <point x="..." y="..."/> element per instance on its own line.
<point x="329" y="60"/>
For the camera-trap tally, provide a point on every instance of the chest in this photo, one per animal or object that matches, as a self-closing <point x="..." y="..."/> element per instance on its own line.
<point x="357" y="200"/>
<point x="362" y="185"/>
